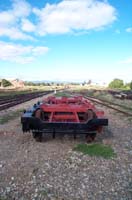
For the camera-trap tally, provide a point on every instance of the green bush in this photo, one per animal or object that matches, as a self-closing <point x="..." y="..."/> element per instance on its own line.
<point x="131" y="85"/>
<point x="116" y="83"/>
<point x="5" y="83"/>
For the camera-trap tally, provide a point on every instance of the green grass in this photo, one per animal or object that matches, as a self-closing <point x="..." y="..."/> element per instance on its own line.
<point x="98" y="150"/>
<point x="43" y="193"/>
<point x="25" y="90"/>
<point x="3" y="198"/>
<point x="7" y="117"/>
<point x="12" y="93"/>
<point x="62" y="94"/>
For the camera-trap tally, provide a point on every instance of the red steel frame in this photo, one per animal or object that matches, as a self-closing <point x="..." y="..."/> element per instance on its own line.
<point x="73" y="115"/>
<point x="67" y="109"/>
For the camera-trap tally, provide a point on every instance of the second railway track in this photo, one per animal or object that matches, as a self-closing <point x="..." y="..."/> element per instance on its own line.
<point x="8" y="102"/>
<point x="111" y="105"/>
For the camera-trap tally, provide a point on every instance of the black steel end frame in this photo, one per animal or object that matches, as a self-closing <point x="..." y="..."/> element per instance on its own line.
<point x="36" y="124"/>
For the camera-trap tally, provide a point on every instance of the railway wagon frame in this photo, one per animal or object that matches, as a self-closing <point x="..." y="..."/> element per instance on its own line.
<point x="64" y="115"/>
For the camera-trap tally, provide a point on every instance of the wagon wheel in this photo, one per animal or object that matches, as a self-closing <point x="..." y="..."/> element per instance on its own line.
<point x="90" y="138"/>
<point x="37" y="135"/>
<point x="90" y="115"/>
<point x="38" y="114"/>
<point x="34" y="133"/>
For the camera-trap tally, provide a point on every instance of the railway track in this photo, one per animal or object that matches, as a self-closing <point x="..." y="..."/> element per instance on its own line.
<point x="110" y="105"/>
<point x="8" y="102"/>
<point x="121" y="94"/>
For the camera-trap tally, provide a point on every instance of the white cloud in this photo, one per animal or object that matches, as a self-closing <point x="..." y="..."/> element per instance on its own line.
<point x="39" y="50"/>
<point x="126" y="61"/>
<point x="78" y="15"/>
<point x="22" y="60"/>
<point x="6" y="18"/>
<point x="27" y="26"/>
<point x="21" y="8"/>
<point x="19" y="53"/>
<point x="129" y="30"/>
<point x="67" y="16"/>
<point x="10" y="20"/>
<point x="14" y="33"/>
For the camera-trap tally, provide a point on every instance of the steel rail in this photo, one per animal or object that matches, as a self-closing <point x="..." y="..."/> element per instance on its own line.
<point x="108" y="104"/>
<point x="20" y="100"/>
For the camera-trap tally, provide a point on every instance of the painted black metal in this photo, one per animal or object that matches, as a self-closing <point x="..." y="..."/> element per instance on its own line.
<point x="35" y="124"/>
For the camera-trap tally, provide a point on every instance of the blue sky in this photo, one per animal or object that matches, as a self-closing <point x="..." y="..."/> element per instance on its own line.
<point x="70" y="40"/>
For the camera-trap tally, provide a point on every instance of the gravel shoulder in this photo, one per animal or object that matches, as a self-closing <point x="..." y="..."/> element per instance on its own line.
<point x="51" y="170"/>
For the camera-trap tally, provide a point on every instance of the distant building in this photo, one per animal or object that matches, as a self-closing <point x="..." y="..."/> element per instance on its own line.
<point x="17" y="83"/>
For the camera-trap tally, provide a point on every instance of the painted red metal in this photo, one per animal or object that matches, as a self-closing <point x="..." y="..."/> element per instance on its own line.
<point x="70" y="115"/>
<point x="69" y="109"/>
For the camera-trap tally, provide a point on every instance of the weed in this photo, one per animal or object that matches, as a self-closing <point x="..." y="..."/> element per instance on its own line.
<point x="99" y="150"/>
<point x="62" y="94"/>
<point x="7" y="117"/>
<point x="3" y="198"/>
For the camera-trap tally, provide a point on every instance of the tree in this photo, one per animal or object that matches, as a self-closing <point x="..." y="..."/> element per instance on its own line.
<point x="116" y="83"/>
<point x="5" y="83"/>
<point x="89" y="82"/>
<point x="131" y="85"/>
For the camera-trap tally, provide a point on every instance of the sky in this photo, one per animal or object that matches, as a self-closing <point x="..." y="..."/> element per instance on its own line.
<point x="66" y="40"/>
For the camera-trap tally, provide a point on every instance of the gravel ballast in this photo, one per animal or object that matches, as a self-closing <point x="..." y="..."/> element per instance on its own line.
<point x="51" y="170"/>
